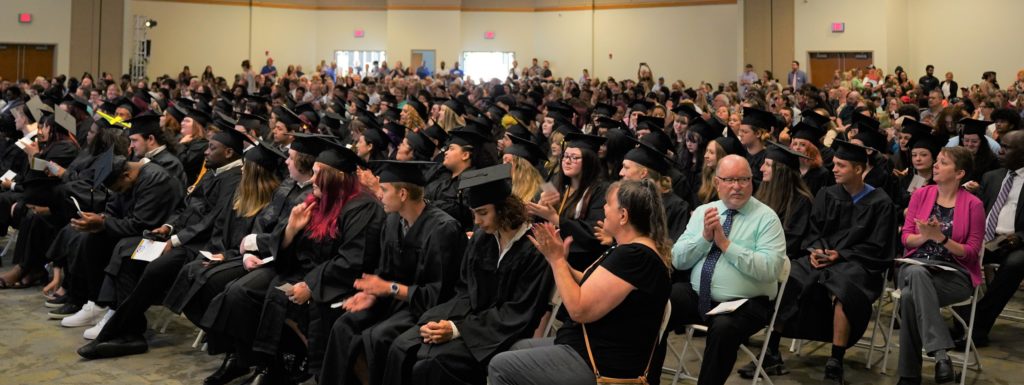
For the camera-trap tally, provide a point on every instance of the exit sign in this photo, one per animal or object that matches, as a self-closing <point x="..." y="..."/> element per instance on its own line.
<point x="24" y="18"/>
<point x="838" y="27"/>
<point x="489" y="35"/>
<point x="359" y="33"/>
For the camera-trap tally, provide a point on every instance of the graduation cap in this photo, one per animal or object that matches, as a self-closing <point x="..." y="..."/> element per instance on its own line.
<point x="232" y="139"/>
<point x="686" y="109"/>
<point x="659" y="140"/>
<point x="519" y="131"/>
<point x="388" y="98"/>
<point x="584" y="141"/>
<point x="395" y="131"/>
<point x="609" y="123"/>
<point x="619" y="142"/>
<point x="36" y="108"/>
<point x="913" y="127"/>
<point x="368" y="119"/>
<point x="782" y="154"/>
<point x="255" y="98"/>
<point x="420" y="108"/>
<point x="641" y="105"/>
<point x="391" y="115"/>
<point x="377" y="137"/>
<point x="178" y="112"/>
<point x="968" y="126"/>
<point x="717" y="125"/>
<point x="145" y="124"/>
<point x="864" y="122"/>
<point x="731" y="145"/>
<point x="560" y="112"/>
<point x="393" y="171"/>
<point x="79" y="101"/>
<point x="109" y="107"/>
<point x="700" y="126"/>
<point x="850" y="152"/>
<point x="309" y="144"/>
<point x="481" y="124"/>
<point x="815" y="119"/>
<point x="291" y="121"/>
<point x="40" y="190"/>
<point x="224" y="122"/>
<point x="807" y="131"/>
<point x="422" y="147"/>
<point x="437" y="133"/>
<point x="455" y="106"/>
<point x="199" y="116"/>
<point x="649" y="157"/>
<point x="467" y="105"/>
<point x="759" y="118"/>
<point x="339" y="157"/>
<point x="245" y="116"/>
<point x="310" y="119"/>
<point x="650" y="123"/>
<point x="491" y="185"/>
<point x="304" y="107"/>
<point x="872" y="139"/>
<point x="602" y="109"/>
<point x="466" y="137"/>
<point x="64" y="121"/>
<point x="928" y="141"/>
<point x="265" y="155"/>
<point x="108" y="168"/>
<point x="129" y="104"/>
<point x="332" y="120"/>
<point x="526" y="149"/>
<point x="360" y="103"/>
<point x="523" y="113"/>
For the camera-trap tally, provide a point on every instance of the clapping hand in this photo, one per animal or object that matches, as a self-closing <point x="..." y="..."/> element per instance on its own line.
<point x="546" y="239"/>
<point x="929" y="229"/>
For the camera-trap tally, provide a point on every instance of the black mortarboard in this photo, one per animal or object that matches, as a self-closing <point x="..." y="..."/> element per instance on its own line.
<point x="178" y="112"/>
<point x="437" y="133"/>
<point x="850" y="152"/>
<point x="602" y="109"/>
<point x="389" y="99"/>
<point x="108" y="168"/>
<point x="524" y="114"/>
<point x="455" y="106"/>
<point x="465" y="137"/>
<point x="526" y="149"/>
<point x="609" y="123"/>
<point x="368" y="119"/>
<point x="76" y="100"/>
<point x="972" y="126"/>
<point x="700" y="126"/>
<point x="332" y="120"/>
<point x="224" y="122"/>
<point x="481" y="124"/>
<point x="650" y="123"/>
<point x="309" y="144"/>
<point x="265" y="155"/>
<point x="304" y="107"/>
<point x="309" y="119"/>
<point x="519" y="131"/>
<point x="584" y="141"/>
<point x="232" y="139"/>
<point x="145" y="124"/>
<point x="508" y="100"/>
<point x="491" y="185"/>
<point x="913" y="127"/>
<point x="420" y="108"/>
<point x="649" y="157"/>
<point x="255" y="98"/>
<point x="393" y="171"/>
<point x="109" y="107"/>
<point x="422" y="147"/>
<point x="759" y="118"/>
<point x="659" y="140"/>
<point x="199" y="116"/>
<point x="560" y="112"/>
<point x="339" y="157"/>
<point x="872" y="139"/>
<point x="360" y="103"/>
<point x="927" y="141"/>
<point x="129" y="104"/>
<point x="376" y="137"/>
<point x="620" y="141"/>
<point x="864" y="122"/>
<point x="641" y="106"/>
<point x="395" y="131"/>
<point x="686" y="109"/>
<point x="784" y="155"/>
<point x="815" y="119"/>
<point x="731" y="145"/>
<point x="467" y="105"/>
<point x="39" y="189"/>
<point x="62" y="120"/>
<point x="391" y="115"/>
<point x="807" y="131"/>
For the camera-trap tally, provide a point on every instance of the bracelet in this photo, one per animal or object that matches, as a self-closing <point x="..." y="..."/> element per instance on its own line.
<point x="945" y="239"/>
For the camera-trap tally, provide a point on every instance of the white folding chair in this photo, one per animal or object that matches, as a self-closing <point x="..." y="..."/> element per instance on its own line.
<point x="556" y="304"/>
<point x="682" y="372"/>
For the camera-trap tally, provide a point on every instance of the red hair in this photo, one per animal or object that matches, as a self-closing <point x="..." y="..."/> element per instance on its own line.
<point x="336" y="189"/>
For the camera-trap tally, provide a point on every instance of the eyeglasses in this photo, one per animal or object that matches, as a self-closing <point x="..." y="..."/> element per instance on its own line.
<point x="742" y="181"/>
<point x="571" y="158"/>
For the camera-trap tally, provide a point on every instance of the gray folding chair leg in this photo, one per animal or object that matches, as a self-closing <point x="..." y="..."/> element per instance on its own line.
<point x="199" y="339"/>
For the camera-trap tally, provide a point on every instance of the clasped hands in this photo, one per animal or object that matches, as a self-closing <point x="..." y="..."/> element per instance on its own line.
<point x="713" y="230"/>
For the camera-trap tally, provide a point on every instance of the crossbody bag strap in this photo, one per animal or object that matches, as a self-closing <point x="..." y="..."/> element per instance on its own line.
<point x="593" y="364"/>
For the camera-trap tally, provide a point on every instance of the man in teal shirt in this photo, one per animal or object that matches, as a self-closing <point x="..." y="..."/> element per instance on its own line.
<point x="736" y="248"/>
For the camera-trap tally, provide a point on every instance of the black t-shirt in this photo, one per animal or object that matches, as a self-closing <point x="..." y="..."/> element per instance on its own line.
<point x="622" y="340"/>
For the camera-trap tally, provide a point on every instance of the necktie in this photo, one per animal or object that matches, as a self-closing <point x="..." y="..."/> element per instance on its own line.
<point x="993" y="215"/>
<point x="708" y="270"/>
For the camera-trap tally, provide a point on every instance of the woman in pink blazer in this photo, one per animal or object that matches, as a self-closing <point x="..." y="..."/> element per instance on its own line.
<point x="945" y="225"/>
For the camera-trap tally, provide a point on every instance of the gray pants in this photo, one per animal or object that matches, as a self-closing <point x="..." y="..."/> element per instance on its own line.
<point x="539" y="362"/>
<point x="923" y="292"/>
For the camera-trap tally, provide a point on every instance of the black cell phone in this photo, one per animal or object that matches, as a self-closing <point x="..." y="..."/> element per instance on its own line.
<point x="146" y="234"/>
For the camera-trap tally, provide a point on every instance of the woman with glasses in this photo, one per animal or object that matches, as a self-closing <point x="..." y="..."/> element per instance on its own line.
<point x="577" y="205"/>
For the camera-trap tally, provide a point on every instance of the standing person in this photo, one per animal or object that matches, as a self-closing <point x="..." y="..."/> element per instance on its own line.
<point x="734" y="248"/>
<point x="268" y="70"/>
<point x="421" y="250"/>
<point x="949" y="87"/>
<point x="616" y="306"/>
<point x="796" y="78"/>
<point x="747" y="78"/>
<point x="944" y="227"/>
<point x="504" y="291"/>
<point x="829" y="293"/>
<point x="928" y="82"/>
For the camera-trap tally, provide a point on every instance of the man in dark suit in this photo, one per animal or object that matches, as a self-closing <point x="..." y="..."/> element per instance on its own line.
<point x="1001" y="191"/>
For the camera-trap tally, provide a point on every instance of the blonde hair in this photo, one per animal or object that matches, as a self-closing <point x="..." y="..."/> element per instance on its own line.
<point x="255" y="189"/>
<point x="707" y="191"/>
<point x="554" y="163"/>
<point x="413" y="121"/>
<point x="526" y="179"/>
<point x="451" y="120"/>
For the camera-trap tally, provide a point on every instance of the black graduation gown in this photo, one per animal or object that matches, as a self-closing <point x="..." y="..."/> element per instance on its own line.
<point x="171" y="163"/>
<point x="13" y="158"/>
<point x="82" y="130"/>
<point x="274" y="218"/>
<point x="443" y="192"/>
<point x="756" y="160"/>
<point x="585" y="246"/>
<point x="881" y="177"/>
<point x="677" y="214"/>
<point x="192" y="156"/>
<point x="682" y="186"/>
<point x="426" y="259"/>
<point x="60" y="152"/>
<point x="864" y="234"/>
<point x="797" y="225"/>
<point x="818" y="178"/>
<point x="494" y="306"/>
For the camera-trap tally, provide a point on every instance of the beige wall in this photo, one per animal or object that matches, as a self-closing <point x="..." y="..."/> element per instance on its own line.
<point x="196" y="35"/>
<point x="426" y="30"/>
<point x="866" y="28"/>
<point x="336" y="32"/>
<point x="513" y="32"/>
<point x="51" y="24"/>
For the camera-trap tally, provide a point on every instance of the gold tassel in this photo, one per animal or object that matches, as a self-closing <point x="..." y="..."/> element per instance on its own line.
<point x="202" y="171"/>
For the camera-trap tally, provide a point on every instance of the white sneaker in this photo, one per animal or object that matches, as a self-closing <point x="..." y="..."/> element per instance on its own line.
<point x="88" y="316"/>
<point x="91" y="333"/>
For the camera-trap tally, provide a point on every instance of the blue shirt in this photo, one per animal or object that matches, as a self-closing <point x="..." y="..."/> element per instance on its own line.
<point x="750" y="266"/>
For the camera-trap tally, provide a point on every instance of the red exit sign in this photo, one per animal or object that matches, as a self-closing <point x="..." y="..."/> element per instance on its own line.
<point x="24" y="18"/>
<point x="838" y="27"/>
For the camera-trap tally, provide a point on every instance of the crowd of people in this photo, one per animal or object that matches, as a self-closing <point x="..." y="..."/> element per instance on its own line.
<point x="389" y="227"/>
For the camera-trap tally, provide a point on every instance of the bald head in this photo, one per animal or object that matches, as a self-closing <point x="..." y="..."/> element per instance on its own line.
<point x="734" y="181"/>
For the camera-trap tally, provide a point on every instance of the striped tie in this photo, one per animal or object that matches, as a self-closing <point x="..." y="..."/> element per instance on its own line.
<point x="993" y="214"/>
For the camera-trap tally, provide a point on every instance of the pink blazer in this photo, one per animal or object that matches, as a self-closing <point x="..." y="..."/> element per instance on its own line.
<point x="968" y="224"/>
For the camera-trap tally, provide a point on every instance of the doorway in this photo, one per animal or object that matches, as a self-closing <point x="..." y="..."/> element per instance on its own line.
<point x="422" y="56"/>
<point x="27" y="61"/>
<point x="823" y="65"/>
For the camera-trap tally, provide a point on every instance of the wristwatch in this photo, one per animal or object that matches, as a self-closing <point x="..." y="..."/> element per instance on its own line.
<point x="394" y="289"/>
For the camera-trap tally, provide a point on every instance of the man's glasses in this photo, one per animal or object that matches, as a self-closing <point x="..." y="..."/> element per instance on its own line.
<point x="742" y="181"/>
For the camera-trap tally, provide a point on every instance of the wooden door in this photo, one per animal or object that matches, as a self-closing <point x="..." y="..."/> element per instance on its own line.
<point x="9" y="62"/>
<point x="417" y="58"/>
<point x="822" y="67"/>
<point x="854" y="60"/>
<point x="37" y="60"/>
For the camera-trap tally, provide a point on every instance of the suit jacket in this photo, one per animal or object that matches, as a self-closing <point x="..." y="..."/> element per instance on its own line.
<point x="953" y="88"/>
<point x="990" y="185"/>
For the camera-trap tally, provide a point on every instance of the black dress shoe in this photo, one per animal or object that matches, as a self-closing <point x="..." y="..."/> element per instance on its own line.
<point x="834" y="371"/>
<point x="230" y="369"/>
<point x="772" y="365"/>
<point x="56" y="302"/>
<point x="118" y="347"/>
<point x="64" y="311"/>
<point x="909" y="381"/>
<point x="944" y="371"/>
